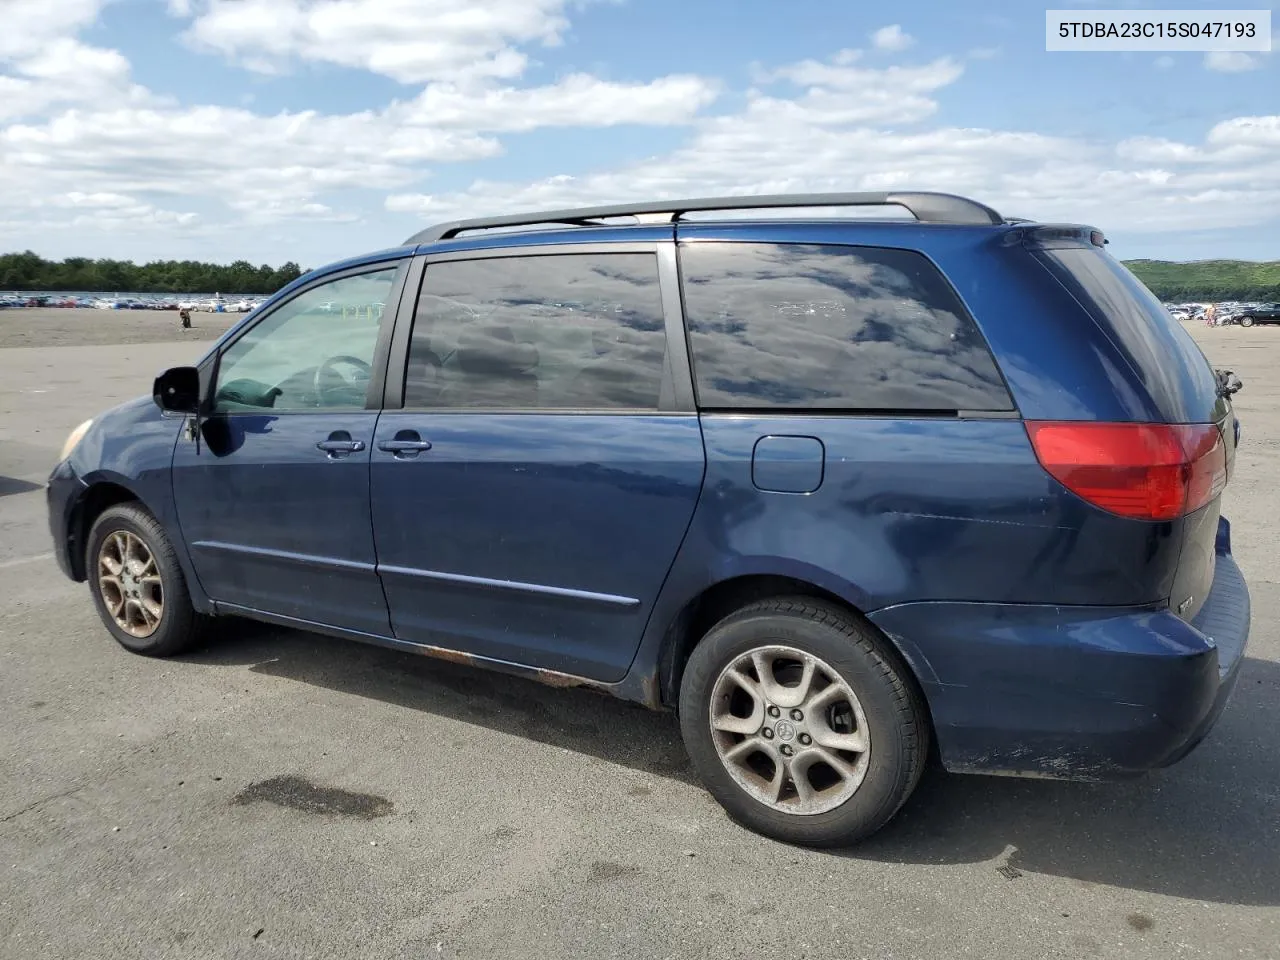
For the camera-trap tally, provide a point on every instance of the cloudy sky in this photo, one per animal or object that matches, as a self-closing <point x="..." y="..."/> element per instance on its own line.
<point x="308" y="130"/>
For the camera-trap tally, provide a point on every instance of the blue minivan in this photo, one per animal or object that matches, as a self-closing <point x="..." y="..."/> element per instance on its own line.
<point x="844" y="480"/>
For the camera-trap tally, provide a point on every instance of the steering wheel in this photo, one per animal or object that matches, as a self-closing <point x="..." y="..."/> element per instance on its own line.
<point x="326" y="375"/>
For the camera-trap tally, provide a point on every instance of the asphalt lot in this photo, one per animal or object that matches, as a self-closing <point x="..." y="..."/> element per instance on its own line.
<point x="285" y="795"/>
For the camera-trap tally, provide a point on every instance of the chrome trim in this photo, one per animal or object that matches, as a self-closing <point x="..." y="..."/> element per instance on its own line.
<point x="335" y="563"/>
<point x="607" y="598"/>
<point x="307" y="559"/>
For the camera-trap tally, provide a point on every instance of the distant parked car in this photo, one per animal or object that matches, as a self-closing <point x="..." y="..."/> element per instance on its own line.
<point x="1257" y="313"/>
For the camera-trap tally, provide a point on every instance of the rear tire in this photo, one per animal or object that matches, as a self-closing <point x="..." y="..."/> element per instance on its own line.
<point x="137" y="584"/>
<point x="1246" y="321"/>
<point x="802" y="722"/>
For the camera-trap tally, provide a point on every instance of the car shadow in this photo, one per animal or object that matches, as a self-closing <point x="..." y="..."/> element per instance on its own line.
<point x="1205" y="829"/>
<point x="582" y="720"/>
<point x="12" y="485"/>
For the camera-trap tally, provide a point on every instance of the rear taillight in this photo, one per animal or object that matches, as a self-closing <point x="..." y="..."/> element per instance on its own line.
<point x="1148" y="471"/>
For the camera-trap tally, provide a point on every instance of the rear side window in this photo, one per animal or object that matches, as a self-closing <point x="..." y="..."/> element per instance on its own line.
<point x="824" y="327"/>
<point x="1173" y="366"/>
<point x="559" y="332"/>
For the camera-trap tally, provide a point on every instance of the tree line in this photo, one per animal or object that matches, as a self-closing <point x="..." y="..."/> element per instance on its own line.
<point x="29" y="272"/>
<point x="1205" y="280"/>
<point x="1209" y="280"/>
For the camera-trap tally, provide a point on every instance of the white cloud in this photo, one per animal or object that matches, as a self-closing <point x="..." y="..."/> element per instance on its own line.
<point x="82" y="144"/>
<point x="1234" y="61"/>
<point x="114" y="211"/>
<point x="277" y="165"/>
<point x="1165" y="62"/>
<point x="412" y="41"/>
<point x="1142" y="184"/>
<point x="61" y="71"/>
<point x="838" y="93"/>
<point x="41" y="64"/>
<point x="77" y="198"/>
<point x="1260" y="132"/>
<point x="892" y="38"/>
<point x="857" y="80"/>
<point x="93" y="133"/>
<point x="29" y="24"/>
<point x="410" y="203"/>
<point x="575" y="101"/>
<point x="1238" y="62"/>
<point x="227" y="153"/>
<point x="841" y="127"/>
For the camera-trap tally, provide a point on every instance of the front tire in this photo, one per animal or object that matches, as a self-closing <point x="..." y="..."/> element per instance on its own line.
<point x="137" y="583"/>
<point x="802" y="723"/>
<point x="1246" y="321"/>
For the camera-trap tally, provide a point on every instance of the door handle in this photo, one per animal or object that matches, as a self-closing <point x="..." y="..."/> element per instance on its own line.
<point x="405" y="445"/>
<point x="340" y="448"/>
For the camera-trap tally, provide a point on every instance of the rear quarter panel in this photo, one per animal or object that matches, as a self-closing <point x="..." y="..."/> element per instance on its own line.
<point x="911" y="510"/>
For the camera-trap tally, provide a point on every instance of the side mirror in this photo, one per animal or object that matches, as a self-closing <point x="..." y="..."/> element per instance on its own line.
<point x="177" y="390"/>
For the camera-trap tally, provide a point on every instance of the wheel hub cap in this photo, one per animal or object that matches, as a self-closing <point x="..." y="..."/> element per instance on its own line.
<point x="790" y="730"/>
<point x="129" y="584"/>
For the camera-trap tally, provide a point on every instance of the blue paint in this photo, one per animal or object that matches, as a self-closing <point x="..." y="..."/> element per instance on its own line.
<point x="289" y="527"/>
<point x="782" y="464"/>
<point x="588" y="506"/>
<point x="1047" y="635"/>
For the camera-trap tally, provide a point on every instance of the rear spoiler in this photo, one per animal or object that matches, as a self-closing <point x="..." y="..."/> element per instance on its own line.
<point x="1056" y="234"/>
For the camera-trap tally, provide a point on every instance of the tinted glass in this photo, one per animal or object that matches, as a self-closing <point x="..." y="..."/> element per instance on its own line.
<point x="1170" y="362"/>
<point x="828" y="327"/>
<point x="578" y="331"/>
<point x="314" y="351"/>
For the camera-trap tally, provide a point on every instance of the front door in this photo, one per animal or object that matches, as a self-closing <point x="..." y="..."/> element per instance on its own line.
<point x="273" y="499"/>
<point x="530" y="497"/>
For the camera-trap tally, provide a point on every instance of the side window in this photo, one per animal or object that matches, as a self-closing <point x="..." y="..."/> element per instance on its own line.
<point x="567" y="331"/>
<point x="312" y="352"/>
<point x="804" y="326"/>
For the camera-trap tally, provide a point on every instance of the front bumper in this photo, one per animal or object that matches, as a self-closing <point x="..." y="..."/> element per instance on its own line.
<point x="1075" y="692"/>
<point x="63" y="496"/>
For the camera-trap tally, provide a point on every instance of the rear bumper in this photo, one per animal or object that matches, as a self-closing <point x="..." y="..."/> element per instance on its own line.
<point x="1075" y="692"/>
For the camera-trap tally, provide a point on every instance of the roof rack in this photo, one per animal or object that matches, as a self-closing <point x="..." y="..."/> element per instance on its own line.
<point x="925" y="207"/>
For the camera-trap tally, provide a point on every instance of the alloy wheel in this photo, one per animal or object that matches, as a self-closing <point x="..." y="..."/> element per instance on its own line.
<point x="790" y="730"/>
<point x="130" y="584"/>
